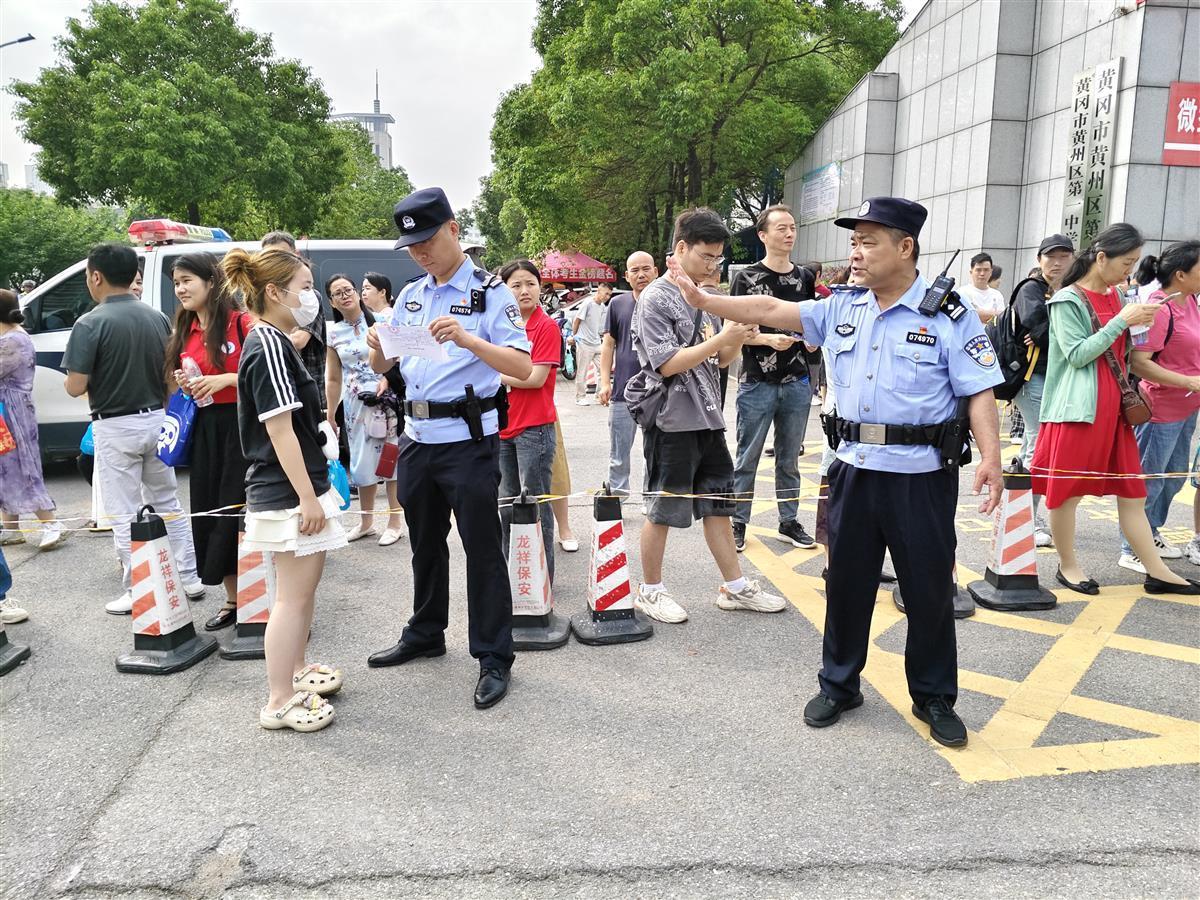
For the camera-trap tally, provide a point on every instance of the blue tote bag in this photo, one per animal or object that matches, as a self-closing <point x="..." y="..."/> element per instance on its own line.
<point x="175" y="438"/>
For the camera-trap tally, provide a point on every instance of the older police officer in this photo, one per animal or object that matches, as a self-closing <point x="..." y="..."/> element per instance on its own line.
<point x="897" y="375"/>
<point x="449" y="454"/>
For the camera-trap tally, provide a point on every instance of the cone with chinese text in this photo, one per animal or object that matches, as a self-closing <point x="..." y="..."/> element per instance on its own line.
<point x="610" y="617"/>
<point x="255" y="597"/>
<point x="535" y="624"/>
<point x="164" y="638"/>
<point x="1011" y="580"/>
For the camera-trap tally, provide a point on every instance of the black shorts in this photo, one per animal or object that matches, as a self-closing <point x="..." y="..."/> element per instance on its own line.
<point x="687" y="462"/>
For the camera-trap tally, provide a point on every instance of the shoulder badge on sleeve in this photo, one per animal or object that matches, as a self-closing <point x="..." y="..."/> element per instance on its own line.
<point x="952" y="306"/>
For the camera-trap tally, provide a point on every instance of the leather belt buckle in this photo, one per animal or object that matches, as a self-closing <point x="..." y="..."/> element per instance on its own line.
<point x="420" y="409"/>
<point x="872" y="434"/>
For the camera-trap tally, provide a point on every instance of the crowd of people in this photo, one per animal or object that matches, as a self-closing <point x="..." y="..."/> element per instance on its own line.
<point x="278" y="391"/>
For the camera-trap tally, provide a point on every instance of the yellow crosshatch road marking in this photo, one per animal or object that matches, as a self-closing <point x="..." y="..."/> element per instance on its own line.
<point x="1004" y="748"/>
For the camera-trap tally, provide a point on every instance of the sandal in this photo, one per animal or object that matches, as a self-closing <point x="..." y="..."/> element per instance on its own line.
<point x="319" y="679"/>
<point x="304" y="712"/>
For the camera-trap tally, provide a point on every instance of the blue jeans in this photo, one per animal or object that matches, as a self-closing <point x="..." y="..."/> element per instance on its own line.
<point x="5" y="576"/>
<point x="759" y="404"/>
<point x="525" y="461"/>
<point x="1165" y="447"/>
<point x="1029" y="402"/>
<point x="621" y="431"/>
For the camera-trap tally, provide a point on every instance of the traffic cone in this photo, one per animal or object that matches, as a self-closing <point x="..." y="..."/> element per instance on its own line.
<point x="255" y="597"/>
<point x="1011" y="580"/>
<point x="11" y="655"/>
<point x="164" y="638"/>
<point x="535" y="626"/>
<point x="610" y="618"/>
<point x="964" y="604"/>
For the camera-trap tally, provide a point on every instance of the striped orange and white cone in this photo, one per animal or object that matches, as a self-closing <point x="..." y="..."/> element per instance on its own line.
<point x="255" y="597"/>
<point x="164" y="638"/>
<point x="1011" y="580"/>
<point x="11" y="655"/>
<point x="535" y="624"/>
<point x="610" y="617"/>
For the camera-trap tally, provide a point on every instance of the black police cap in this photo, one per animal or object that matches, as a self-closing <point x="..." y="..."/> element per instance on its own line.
<point x="894" y="212"/>
<point x="420" y="215"/>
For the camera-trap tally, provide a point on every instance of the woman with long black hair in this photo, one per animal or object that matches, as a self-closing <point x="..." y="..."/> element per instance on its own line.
<point x="1085" y="446"/>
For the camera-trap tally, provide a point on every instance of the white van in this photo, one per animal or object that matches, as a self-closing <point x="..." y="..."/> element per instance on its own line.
<point x="54" y="306"/>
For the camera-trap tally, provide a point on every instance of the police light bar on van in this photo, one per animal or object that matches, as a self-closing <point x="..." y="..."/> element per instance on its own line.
<point x="149" y="232"/>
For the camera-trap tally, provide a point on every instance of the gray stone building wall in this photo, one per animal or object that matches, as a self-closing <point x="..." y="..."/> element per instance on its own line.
<point x="969" y="114"/>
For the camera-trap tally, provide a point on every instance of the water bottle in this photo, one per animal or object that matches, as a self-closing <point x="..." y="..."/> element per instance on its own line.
<point x="192" y="371"/>
<point x="1139" y="334"/>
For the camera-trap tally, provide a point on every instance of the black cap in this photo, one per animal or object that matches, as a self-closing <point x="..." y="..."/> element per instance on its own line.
<point x="1056" y="242"/>
<point x="894" y="212"/>
<point x="420" y="215"/>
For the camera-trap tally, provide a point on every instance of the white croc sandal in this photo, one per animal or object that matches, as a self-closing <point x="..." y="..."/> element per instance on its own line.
<point x="319" y="679"/>
<point x="306" y="711"/>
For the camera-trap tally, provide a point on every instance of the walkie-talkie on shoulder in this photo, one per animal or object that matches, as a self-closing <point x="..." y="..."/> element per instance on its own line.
<point x="942" y="285"/>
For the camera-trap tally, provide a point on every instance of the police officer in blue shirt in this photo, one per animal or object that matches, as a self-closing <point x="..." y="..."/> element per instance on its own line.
<point x="898" y="377"/>
<point x="450" y="450"/>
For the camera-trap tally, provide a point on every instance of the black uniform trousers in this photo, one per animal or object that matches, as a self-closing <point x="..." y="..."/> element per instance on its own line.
<point x="913" y="517"/>
<point x="463" y="477"/>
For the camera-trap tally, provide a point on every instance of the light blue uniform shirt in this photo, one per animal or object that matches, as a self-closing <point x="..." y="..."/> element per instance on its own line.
<point x="897" y="368"/>
<point x="422" y="301"/>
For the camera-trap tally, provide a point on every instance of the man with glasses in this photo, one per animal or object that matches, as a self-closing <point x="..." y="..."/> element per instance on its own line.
<point x="689" y="473"/>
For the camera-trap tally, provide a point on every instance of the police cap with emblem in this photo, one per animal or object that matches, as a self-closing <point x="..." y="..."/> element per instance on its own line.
<point x="420" y="215"/>
<point x="894" y="212"/>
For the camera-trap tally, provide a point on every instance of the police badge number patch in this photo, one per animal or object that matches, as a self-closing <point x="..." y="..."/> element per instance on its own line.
<point x="845" y="329"/>
<point x="463" y="310"/>
<point x="979" y="348"/>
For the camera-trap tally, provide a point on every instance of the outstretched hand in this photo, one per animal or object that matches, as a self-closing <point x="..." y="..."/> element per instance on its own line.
<point x="691" y="293"/>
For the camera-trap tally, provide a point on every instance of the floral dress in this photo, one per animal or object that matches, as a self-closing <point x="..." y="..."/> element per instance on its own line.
<point x="22" y="489"/>
<point x="349" y="342"/>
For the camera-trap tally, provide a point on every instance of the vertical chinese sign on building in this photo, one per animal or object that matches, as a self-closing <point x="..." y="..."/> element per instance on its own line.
<point x="1181" y="137"/>
<point x="1090" y="150"/>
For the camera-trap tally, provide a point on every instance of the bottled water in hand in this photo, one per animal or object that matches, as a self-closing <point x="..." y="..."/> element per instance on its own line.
<point x="192" y="371"/>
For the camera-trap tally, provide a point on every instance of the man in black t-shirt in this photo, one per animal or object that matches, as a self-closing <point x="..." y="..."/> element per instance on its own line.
<point x="774" y="385"/>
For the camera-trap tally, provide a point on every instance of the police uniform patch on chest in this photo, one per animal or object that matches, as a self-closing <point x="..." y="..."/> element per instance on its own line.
<point x="845" y="329"/>
<point x="460" y="310"/>
<point x="922" y="337"/>
<point x="979" y="348"/>
<point x="514" y="315"/>
<point x="413" y="305"/>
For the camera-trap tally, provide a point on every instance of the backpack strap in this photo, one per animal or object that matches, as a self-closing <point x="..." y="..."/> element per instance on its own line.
<point x="1170" y="330"/>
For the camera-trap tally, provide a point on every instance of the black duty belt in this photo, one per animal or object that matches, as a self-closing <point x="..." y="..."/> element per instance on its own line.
<point x="128" y="412"/>
<point x="456" y="409"/>
<point x="910" y="435"/>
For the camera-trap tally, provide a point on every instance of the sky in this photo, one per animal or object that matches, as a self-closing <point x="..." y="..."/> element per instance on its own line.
<point x="443" y="65"/>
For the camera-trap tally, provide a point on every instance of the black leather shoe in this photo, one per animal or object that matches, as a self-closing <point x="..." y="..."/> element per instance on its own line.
<point x="493" y="685"/>
<point x="821" y="711"/>
<point x="1089" y="587"/>
<point x="225" y="617"/>
<point x="1157" y="586"/>
<point x="402" y="653"/>
<point x="945" y="726"/>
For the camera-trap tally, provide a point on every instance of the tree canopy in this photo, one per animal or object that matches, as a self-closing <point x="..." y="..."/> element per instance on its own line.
<point x="42" y="236"/>
<point x="644" y="107"/>
<point x="173" y="103"/>
<point x="362" y="205"/>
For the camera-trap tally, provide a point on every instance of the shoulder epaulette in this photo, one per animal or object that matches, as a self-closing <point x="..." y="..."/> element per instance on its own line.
<point x="479" y="295"/>
<point x="953" y="306"/>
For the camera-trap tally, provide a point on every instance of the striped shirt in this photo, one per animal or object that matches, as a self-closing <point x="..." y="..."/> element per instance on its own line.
<point x="273" y="380"/>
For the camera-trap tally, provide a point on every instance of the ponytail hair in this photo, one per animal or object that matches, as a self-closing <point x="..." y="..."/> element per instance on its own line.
<point x="250" y="273"/>
<point x="1181" y="257"/>
<point x="1115" y="240"/>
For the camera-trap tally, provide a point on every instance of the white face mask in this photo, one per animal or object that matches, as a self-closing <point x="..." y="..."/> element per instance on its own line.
<point x="310" y="306"/>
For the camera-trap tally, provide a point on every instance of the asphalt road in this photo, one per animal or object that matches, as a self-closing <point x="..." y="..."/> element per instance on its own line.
<point x="677" y="767"/>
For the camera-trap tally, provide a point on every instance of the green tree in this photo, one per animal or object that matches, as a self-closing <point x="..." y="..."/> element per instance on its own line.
<point x="42" y="236"/>
<point x="501" y="220"/>
<point x="173" y="103"/>
<point x="644" y="107"/>
<point x="362" y="204"/>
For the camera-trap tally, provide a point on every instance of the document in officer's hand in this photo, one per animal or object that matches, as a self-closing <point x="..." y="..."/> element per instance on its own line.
<point x="409" y="340"/>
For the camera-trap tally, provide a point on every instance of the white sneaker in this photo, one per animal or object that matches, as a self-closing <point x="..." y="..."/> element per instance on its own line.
<point x="10" y="613"/>
<point x="52" y="536"/>
<point x="11" y="536"/>
<point x="122" y="606"/>
<point x="1165" y="550"/>
<point x="1132" y="563"/>
<point x="660" y="606"/>
<point x="583" y="401"/>
<point x="1042" y="538"/>
<point x="1192" y="551"/>
<point x="751" y="597"/>
<point x="195" y="590"/>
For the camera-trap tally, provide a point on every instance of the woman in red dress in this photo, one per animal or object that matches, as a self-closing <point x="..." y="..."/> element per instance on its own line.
<point x="1085" y="447"/>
